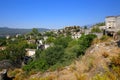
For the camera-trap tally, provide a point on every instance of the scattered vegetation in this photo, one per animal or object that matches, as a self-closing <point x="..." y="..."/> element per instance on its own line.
<point x="61" y="53"/>
<point x="95" y="30"/>
<point x="118" y="32"/>
<point x="113" y="72"/>
<point x="100" y="24"/>
<point x="104" y="38"/>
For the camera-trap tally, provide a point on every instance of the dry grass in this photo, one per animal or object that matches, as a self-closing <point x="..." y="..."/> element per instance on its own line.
<point x="32" y="72"/>
<point x="105" y="54"/>
<point x="14" y="72"/>
<point x="51" y="77"/>
<point x="19" y="74"/>
<point x="80" y="76"/>
<point x="106" y="76"/>
<point x="102" y="39"/>
<point x="96" y="41"/>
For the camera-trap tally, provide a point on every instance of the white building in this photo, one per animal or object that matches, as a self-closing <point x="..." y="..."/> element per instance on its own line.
<point x="40" y="42"/>
<point x="8" y="36"/>
<point x="30" y="52"/>
<point x="17" y="35"/>
<point x="113" y="22"/>
<point x="76" y="35"/>
<point x="46" y="46"/>
<point x="45" y="38"/>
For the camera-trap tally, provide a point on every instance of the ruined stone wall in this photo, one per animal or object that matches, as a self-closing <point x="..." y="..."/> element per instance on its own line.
<point x="113" y="23"/>
<point x="110" y="22"/>
<point x="118" y="22"/>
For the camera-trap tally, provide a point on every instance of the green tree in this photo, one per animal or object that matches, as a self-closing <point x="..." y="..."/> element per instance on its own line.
<point x="71" y="50"/>
<point x="46" y="59"/>
<point x="3" y="42"/>
<point x="85" y="42"/>
<point x="54" y="54"/>
<point x="63" y="52"/>
<point x="38" y="53"/>
<point x="38" y="65"/>
<point x="35" y="34"/>
<point x="50" y="34"/>
<point x="50" y="40"/>
<point x="32" y="46"/>
<point x="16" y="52"/>
<point x="96" y="30"/>
<point x="62" y="41"/>
<point x="35" y="31"/>
<point x="4" y="55"/>
<point x="100" y="24"/>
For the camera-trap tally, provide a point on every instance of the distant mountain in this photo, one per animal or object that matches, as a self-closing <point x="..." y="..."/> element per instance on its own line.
<point x="13" y="31"/>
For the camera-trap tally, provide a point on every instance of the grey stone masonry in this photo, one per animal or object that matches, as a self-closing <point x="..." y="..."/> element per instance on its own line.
<point x="113" y="23"/>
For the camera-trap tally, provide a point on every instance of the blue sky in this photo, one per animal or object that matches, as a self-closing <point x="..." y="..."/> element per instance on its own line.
<point x="54" y="14"/>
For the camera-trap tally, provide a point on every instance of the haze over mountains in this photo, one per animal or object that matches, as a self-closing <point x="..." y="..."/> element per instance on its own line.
<point x="13" y="31"/>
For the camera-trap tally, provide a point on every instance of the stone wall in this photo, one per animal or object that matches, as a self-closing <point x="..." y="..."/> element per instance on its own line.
<point x="113" y="23"/>
<point x="118" y="22"/>
<point x="110" y="22"/>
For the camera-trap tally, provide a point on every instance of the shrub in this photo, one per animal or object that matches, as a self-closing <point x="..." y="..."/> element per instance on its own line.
<point x="63" y="41"/>
<point x="84" y="42"/>
<point x="61" y="54"/>
<point x="115" y="67"/>
<point x="104" y="38"/>
<point x="105" y="55"/>
<point x="95" y="30"/>
<point x="53" y="54"/>
<point x="118" y="32"/>
<point x="38" y="65"/>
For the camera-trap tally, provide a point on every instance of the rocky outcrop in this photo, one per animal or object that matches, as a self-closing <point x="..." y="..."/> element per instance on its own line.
<point x="4" y="76"/>
<point x="6" y="64"/>
<point x="95" y="61"/>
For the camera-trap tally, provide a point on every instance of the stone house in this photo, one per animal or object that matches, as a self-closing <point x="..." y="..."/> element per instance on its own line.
<point x="30" y="52"/>
<point x="112" y="23"/>
<point x="76" y="35"/>
<point x="32" y="41"/>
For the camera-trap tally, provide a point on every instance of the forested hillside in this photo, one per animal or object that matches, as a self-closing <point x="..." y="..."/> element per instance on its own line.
<point x="13" y="31"/>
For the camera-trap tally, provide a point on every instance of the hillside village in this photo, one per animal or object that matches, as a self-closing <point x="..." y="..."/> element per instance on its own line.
<point x="111" y="26"/>
<point x="34" y="43"/>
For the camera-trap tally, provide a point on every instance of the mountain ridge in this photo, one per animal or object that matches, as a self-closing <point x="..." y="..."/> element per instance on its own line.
<point x="13" y="31"/>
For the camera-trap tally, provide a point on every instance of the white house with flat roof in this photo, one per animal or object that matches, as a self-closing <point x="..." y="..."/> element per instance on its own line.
<point x="30" y="52"/>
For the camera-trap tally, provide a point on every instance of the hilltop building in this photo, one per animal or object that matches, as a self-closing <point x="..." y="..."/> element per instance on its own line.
<point x="113" y="23"/>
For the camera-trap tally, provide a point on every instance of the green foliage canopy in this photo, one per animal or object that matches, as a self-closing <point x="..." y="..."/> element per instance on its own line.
<point x="63" y="52"/>
<point x="95" y="30"/>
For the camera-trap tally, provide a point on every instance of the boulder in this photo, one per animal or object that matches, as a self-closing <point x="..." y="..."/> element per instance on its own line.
<point x="3" y="75"/>
<point x="6" y="64"/>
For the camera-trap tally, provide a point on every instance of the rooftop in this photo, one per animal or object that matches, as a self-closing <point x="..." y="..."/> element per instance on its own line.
<point x="113" y="16"/>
